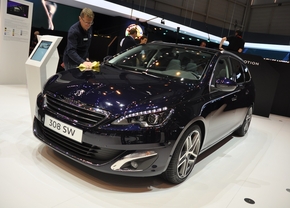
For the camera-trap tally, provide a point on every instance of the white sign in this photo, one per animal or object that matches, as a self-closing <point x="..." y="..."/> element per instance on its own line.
<point x="63" y="128"/>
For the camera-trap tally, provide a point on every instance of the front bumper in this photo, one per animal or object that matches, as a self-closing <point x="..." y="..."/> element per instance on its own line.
<point x="106" y="153"/>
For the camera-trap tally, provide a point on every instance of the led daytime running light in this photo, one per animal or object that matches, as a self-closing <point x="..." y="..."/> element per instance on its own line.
<point x="142" y="113"/>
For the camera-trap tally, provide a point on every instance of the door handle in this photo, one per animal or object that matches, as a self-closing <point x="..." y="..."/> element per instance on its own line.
<point x="234" y="98"/>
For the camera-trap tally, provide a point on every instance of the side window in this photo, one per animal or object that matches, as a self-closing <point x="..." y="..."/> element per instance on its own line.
<point x="237" y="71"/>
<point x="221" y="70"/>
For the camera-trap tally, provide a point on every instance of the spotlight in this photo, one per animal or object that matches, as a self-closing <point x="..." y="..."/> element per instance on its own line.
<point x="162" y="21"/>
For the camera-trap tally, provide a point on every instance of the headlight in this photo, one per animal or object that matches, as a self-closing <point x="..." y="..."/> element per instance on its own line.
<point x="149" y="118"/>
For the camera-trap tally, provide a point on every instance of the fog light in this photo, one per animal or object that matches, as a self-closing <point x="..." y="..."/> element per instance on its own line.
<point x="131" y="161"/>
<point x="134" y="164"/>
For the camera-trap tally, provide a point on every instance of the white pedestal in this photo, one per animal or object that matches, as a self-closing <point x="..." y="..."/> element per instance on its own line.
<point x="41" y="65"/>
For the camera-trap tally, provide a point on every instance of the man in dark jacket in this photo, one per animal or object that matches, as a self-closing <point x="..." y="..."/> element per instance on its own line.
<point x="129" y="40"/>
<point x="79" y="41"/>
<point x="236" y="42"/>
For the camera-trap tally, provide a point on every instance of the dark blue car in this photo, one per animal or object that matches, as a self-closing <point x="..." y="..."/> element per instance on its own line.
<point x="150" y="110"/>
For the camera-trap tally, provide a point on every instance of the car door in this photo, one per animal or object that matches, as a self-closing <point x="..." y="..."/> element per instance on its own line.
<point x="222" y="119"/>
<point x="241" y="92"/>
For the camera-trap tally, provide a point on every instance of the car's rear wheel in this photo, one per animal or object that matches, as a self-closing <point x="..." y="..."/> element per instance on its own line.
<point x="243" y="129"/>
<point x="185" y="156"/>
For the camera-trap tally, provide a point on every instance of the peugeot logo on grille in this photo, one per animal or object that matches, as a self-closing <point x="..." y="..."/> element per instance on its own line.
<point x="79" y="92"/>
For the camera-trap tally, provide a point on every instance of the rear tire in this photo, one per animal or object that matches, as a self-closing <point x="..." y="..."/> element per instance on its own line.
<point x="243" y="129"/>
<point x="185" y="156"/>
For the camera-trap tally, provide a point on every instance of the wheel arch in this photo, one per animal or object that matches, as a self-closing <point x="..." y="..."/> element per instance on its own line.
<point x="172" y="172"/>
<point x="200" y="121"/>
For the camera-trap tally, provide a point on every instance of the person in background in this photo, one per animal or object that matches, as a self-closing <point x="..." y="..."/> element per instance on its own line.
<point x="236" y="42"/>
<point x="79" y="41"/>
<point x="203" y="44"/>
<point x="34" y="41"/>
<point x="142" y="55"/>
<point x="129" y="41"/>
<point x="143" y="40"/>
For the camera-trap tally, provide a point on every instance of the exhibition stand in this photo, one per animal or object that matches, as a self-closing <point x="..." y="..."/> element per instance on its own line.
<point x="40" y="65"/>
<point x="15" y="32"/>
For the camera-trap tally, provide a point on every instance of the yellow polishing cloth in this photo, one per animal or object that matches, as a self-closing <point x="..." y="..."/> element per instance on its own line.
<point x="95" y="67"/>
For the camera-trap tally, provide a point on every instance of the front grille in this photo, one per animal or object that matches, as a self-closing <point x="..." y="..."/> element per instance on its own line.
<point x="85" y="152"/>
<point x="74" y="111"/>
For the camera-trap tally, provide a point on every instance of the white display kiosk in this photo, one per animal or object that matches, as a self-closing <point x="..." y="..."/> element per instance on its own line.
<point x="41" y="65"/>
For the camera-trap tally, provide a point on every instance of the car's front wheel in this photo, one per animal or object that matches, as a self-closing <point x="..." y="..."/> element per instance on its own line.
<point x="185" y="156"/>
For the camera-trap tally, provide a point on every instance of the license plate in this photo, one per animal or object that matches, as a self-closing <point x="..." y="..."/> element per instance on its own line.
<point x="63" y="128"/>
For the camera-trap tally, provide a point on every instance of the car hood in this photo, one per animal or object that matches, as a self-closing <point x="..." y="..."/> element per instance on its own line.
<point x="116" y="90"/>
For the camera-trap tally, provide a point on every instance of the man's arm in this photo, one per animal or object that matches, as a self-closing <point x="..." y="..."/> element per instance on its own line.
<point x="222" y="42"/>
<point x="72" y="45"/>
<point x="242" y="47"/>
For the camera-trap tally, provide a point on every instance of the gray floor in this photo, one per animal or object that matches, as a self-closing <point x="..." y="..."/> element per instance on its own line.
<point x="32" y="175"/>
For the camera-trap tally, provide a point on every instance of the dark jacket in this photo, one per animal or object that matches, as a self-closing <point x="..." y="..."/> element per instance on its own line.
<point x="235" y="43"/>
<point x="78" y="43"/>
<point x="128" y="42"/>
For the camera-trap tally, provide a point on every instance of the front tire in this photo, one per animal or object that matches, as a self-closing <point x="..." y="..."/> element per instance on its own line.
<point x="185" y="156"/>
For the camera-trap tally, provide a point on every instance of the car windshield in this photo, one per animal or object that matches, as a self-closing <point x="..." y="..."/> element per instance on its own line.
<point x="165" y="60"/>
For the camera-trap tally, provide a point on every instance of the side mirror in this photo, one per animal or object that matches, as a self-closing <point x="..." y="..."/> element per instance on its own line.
<point x="225" y="84"/>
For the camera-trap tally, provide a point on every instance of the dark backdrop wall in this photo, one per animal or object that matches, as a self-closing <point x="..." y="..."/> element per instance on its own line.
<point x="281" y="103"/>
<point x="266" y="80"/>
<point x="63" y="18"/>
<point x="108" y="30"/>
